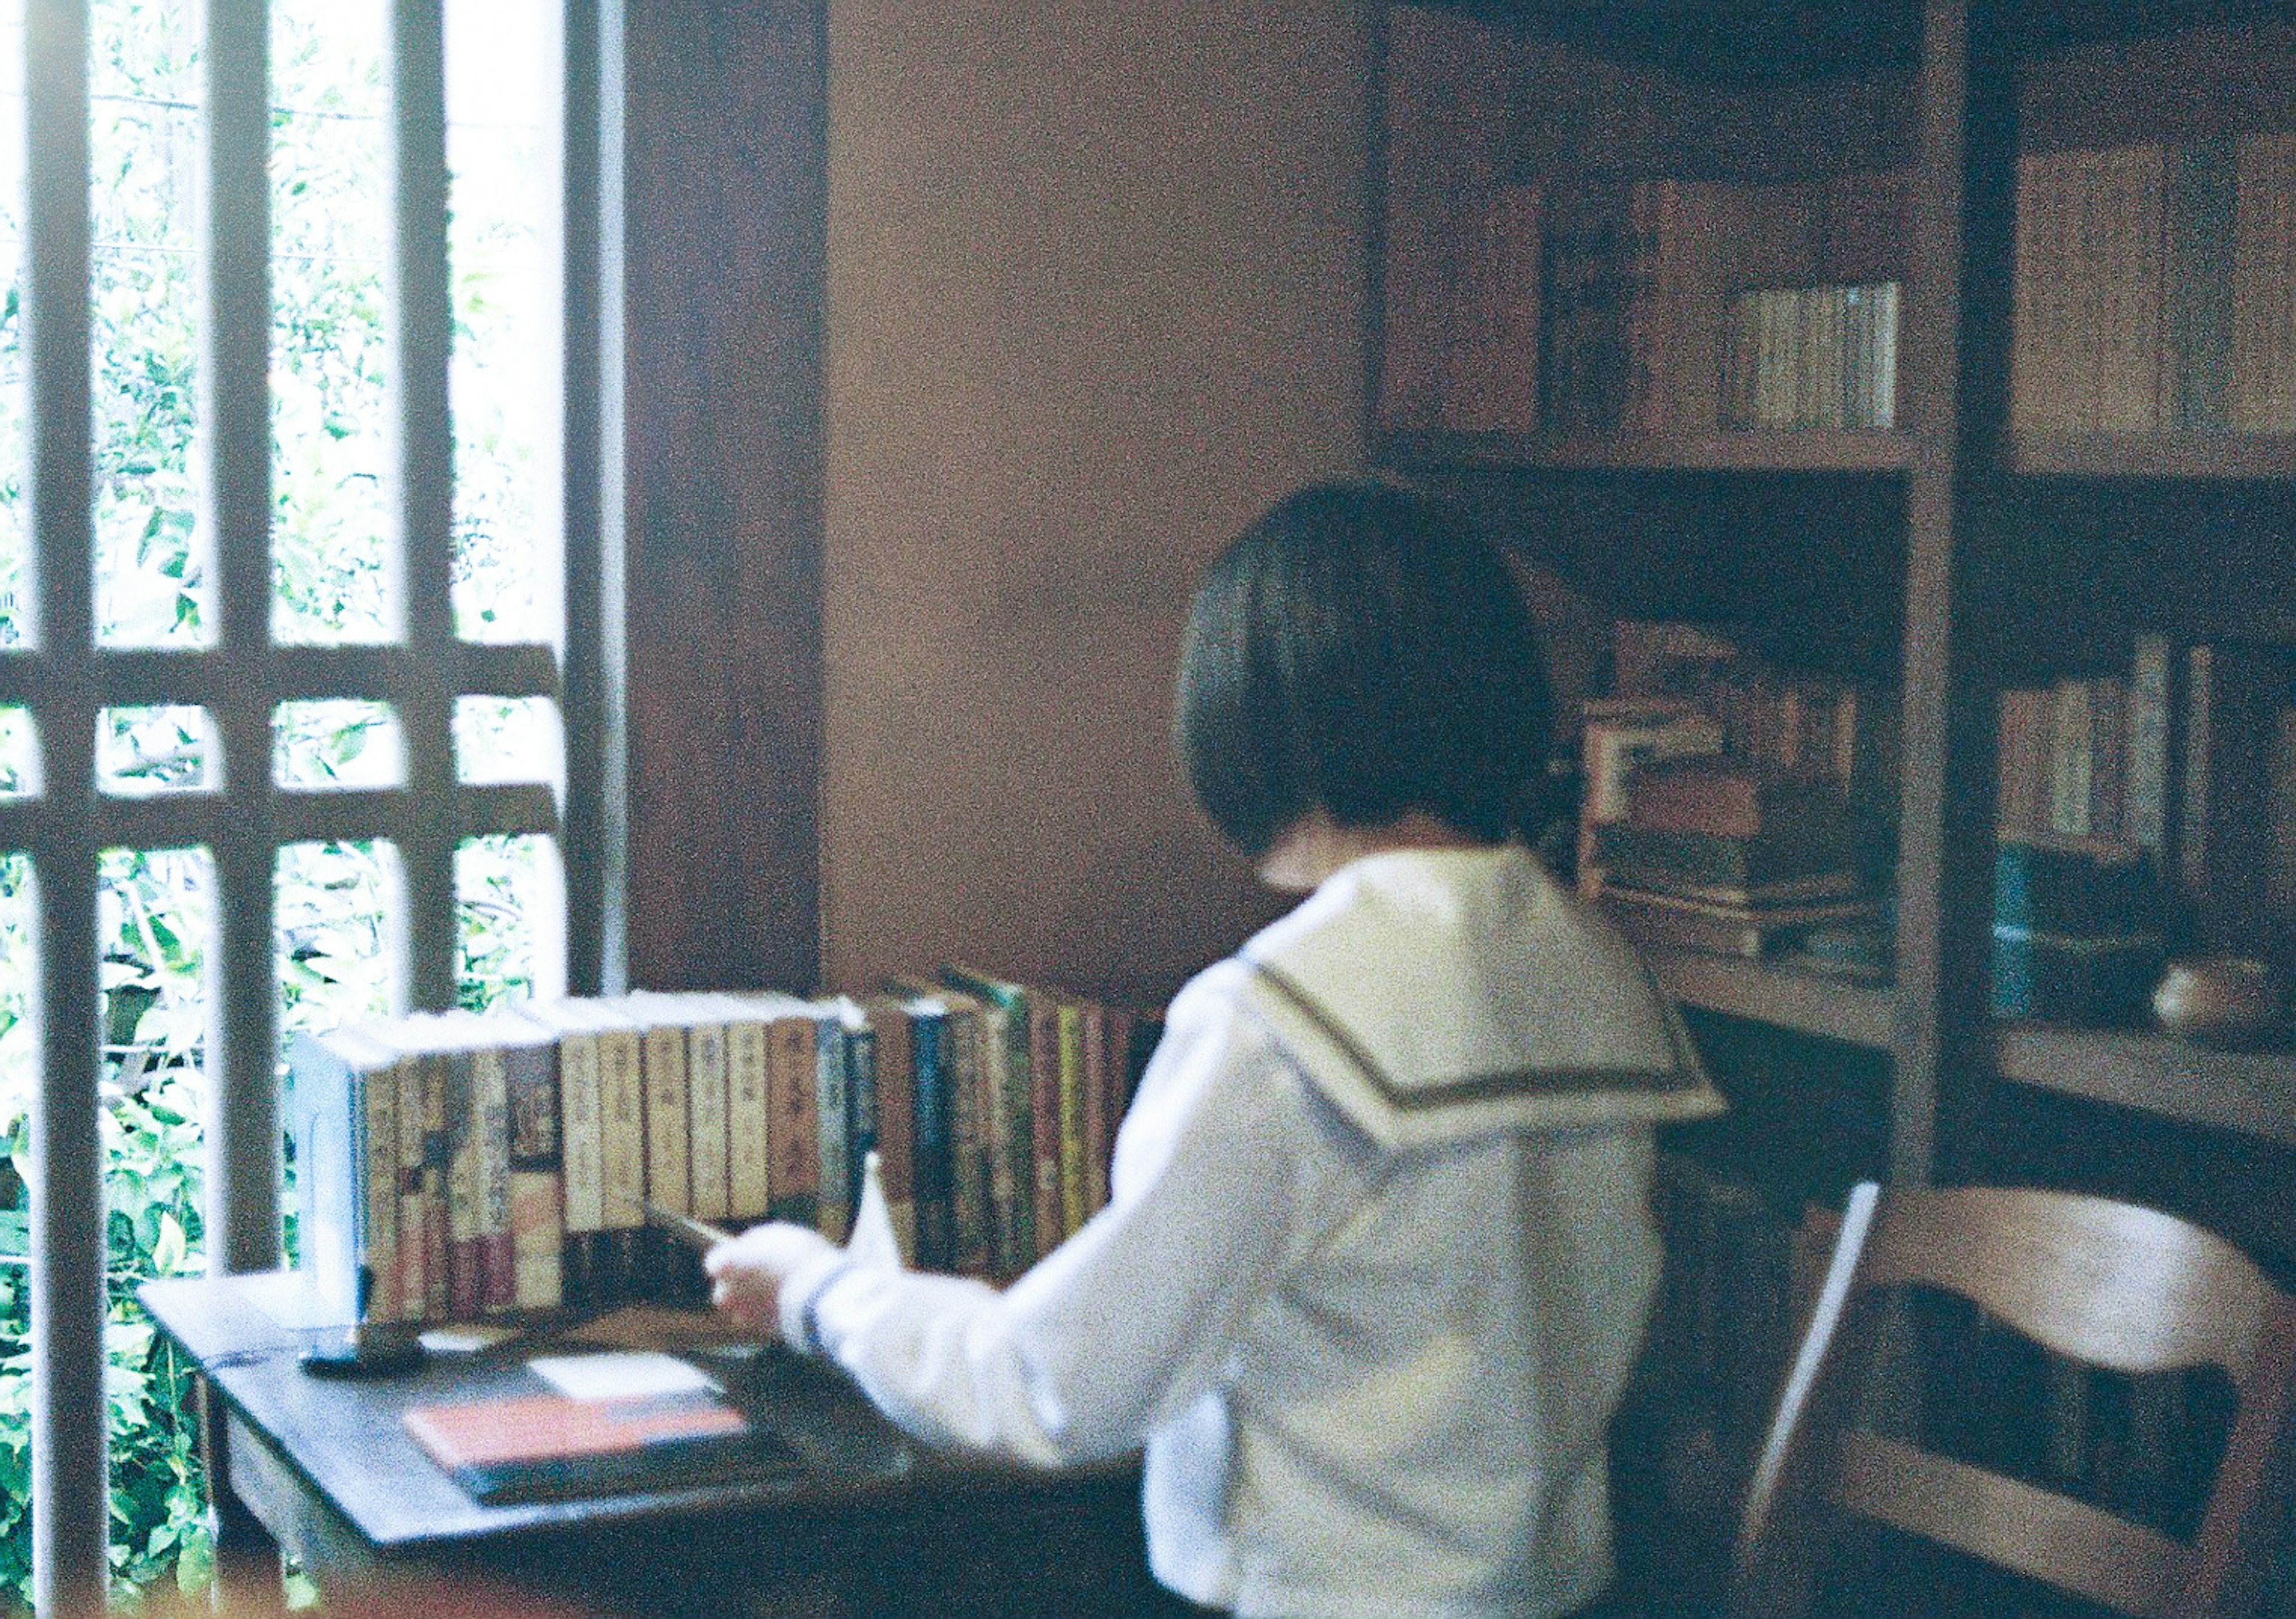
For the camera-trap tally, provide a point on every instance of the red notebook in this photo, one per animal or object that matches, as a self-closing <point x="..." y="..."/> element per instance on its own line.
<point x="547" y="1447"/>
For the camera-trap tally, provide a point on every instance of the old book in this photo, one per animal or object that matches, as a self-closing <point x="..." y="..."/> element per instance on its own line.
<point x="2127" y="257"/>
<point x="708" y="1081"/>
<point x="932" y="1170"/>
<point x="1098" y="1125"/>
<point x="622" y="1153"/>
<point x="2200" y="229"/>
<point x="833" y="1210"/>
<point x="571" y="1026"/>
<point x="747" y="1136"/>
<point x="1662" y="918"/>
<point x="1043" y="1121"/>
<point x="2050" y="364"/>
<point x="792" y="1128"/>
<point x="1724" y="797"/>
<point x="1010" y="1137"/>
<point x="971" y="1220"/>
<point x="554" y="1447"/>
<point x="1613" y="743"/>
<point x="2144" y="817"/>
<point x="1491" y="382"/>
<point x="2261" y="389"/>
<point x="896" y="1115"/>
<point x="343" y="1125"/>
<point x="1643" y="856"/>
<point x="2072" y="758"/>
<point x="523" y="1226"/>
<point x="1075" y="1185"/>
<point x="862" y="1113"/>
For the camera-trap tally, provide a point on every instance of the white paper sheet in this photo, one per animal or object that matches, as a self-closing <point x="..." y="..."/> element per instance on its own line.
<point x="622" y="1375"/>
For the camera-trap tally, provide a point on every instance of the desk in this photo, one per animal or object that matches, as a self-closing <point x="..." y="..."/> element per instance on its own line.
<point x="873" y="1524"/>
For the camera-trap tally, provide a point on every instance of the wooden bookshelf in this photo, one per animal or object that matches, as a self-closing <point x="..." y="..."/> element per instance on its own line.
<point x="2010" y="557"/>
<point x="1753" y="450"/>
<point x="2249" y="1093"/>
<point x="1808" y="1002"/>
<point x="2154" y="456"/>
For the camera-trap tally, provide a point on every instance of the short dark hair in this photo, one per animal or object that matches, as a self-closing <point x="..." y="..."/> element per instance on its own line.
<point x="1360" y="650"/>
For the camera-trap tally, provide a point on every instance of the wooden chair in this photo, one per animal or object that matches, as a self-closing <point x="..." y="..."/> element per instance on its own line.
<point x="2102" y="1283"/>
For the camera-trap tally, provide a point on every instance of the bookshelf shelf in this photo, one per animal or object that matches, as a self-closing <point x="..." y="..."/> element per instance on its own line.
<point x="2203" y="456"/>
<point x="1772" y="450"/>
<point x="2248" y="1093"/>
<point x="1809" y="1003"/>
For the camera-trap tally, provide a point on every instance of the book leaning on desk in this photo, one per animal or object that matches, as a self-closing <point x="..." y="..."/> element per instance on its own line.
<point x="455" y="1165"/>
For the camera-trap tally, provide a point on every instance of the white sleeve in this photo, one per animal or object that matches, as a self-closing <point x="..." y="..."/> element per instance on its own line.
<point x="1132" y="1317"/>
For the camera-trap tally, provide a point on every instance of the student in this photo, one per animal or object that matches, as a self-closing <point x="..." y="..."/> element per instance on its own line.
<point x="1378" y="1253"/>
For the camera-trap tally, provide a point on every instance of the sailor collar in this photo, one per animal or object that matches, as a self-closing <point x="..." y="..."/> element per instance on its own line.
<point x="1440" y="996"/>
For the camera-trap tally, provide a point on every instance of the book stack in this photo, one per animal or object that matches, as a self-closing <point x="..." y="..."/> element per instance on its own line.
<point x="1718" y="853"/>
<point x="451" y="1166"/>
<point x="1811" y="356"/>
<point x="2077" y="935"/>
<point x="2155" y="288"/>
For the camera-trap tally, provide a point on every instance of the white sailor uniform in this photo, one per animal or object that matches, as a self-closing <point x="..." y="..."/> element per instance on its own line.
<point x="1376" y="1261"/>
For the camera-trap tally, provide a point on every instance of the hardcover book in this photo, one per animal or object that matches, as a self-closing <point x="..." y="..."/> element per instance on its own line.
<point x="552" y="1447"/>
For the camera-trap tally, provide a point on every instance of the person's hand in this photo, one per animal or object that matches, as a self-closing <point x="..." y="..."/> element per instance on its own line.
<point x="746" y="1272"/>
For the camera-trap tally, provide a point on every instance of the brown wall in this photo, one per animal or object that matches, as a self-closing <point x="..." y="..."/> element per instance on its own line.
<point x="1096" y="295"/>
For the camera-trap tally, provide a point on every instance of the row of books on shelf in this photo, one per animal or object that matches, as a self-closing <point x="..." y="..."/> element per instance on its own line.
<point x="1608" y="305"/>
<point x="2155" y="288"/>
<point x="2142" y="811"/>
<point x="452" y="1164"/>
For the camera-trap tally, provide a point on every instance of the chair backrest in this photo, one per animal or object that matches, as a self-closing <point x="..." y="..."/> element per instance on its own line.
<point x="2107" y="1284"/>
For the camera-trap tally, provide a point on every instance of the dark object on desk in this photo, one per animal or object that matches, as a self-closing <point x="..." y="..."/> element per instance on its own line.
<point x="552" y="1447"/>
<point x="365" y="1350"/>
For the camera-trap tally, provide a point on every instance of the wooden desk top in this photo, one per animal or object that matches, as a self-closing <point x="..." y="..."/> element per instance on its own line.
<point x="345" y="1437"/>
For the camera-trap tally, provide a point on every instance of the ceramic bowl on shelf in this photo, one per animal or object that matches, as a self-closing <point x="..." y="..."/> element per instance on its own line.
<point x="2218" y="1000"/>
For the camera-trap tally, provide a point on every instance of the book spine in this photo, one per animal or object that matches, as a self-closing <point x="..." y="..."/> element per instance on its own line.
<point x="669" y="1133"/>
<point x="1075" y="1188"/>
<point x="793" y="1135"/>
<point x="748" y="1135"/>
<point x="2145" y="808"/>
<point x="833" y="1215"/>
<point x="932" y="1173"/>
<point x="378" y="1191"/>
<point x="581" y="1168"/>
<point x="438" y="1282"/>
<point x="413" y="1219"/>
<point x="864" y="1110"/>
<point x="621" y="1110"/>
<point x="971" y="1208"/>
<point x="896" y="1120"/>
<point x="1044" y="1158"/>
<point x="490" y="1105"/>
<point x="707" y="1092"/>
<point x="465" y="1179"/>
<point x="537" y="1194"/>
<point x="1096" y="1121"/>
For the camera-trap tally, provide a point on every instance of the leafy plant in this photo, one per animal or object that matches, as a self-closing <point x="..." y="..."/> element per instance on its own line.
<point x="333" y="581"/>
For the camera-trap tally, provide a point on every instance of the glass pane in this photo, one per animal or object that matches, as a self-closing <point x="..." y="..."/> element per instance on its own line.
<point x="510" y="919"/>
<point x="155" y="916"/>
<point x="20" y="754"/>
<point x="150" y="578"/>
<point x="142" y="751"/>
<point x="15" y="600"/>
<point x="337" y="921"/>
<point x="337" y="742"/>
<point x="331" y="569"/>
<point x="508" y="738"/>
<point x="500" y="105"/>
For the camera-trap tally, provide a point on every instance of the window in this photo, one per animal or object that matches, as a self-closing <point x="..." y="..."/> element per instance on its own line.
<point x="300" y="617"/>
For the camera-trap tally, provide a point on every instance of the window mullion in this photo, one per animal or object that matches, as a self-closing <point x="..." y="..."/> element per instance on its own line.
<point x="243" y="1130"/>
<point x="68" y="1495"/>
<point x="420" y="317"/>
